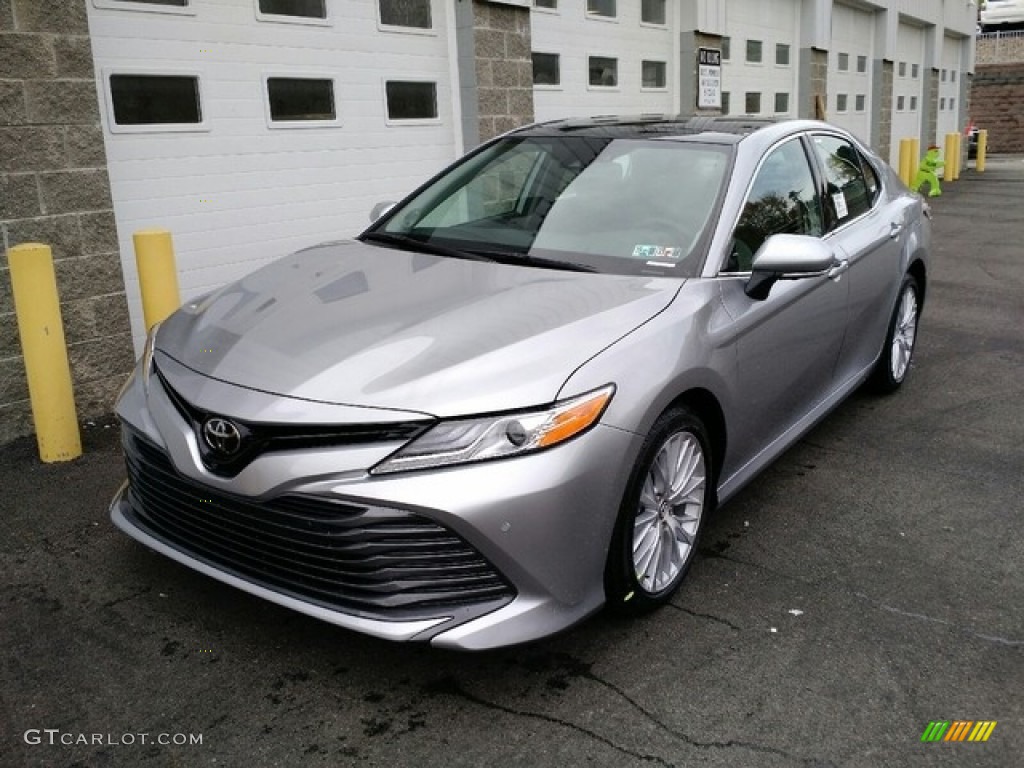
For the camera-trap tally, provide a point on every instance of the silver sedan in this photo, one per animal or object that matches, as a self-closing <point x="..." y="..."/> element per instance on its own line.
<point x="518" y="396"/>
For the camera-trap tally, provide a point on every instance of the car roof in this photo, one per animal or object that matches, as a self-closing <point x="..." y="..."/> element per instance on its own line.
<point x="719" y="130"/>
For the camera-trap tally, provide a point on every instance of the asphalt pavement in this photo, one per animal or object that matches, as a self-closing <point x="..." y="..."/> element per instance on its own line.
<point x="870" y="582"/>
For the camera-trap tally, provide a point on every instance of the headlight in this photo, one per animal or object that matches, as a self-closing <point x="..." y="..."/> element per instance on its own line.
<point x="144" y="366"/>
<point x="147" y="355"/>
<point x="495" y="437"/>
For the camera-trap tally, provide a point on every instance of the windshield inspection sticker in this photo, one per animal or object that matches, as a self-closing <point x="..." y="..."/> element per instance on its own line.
<point x="839" y="200"/>
<point x="666" y="256"/>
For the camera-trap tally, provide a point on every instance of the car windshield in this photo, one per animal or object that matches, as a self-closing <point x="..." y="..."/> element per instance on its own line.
<point x="625" y="206"/>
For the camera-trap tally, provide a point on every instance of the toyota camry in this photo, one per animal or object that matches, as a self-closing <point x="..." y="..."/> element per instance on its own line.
<point x="520" y="393"/>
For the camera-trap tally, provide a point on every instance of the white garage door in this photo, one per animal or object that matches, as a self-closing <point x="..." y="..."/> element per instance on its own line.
<point x="908" y="91"/>
<point x="760" y="73"/>
<point x="849" y="70"/>
<point x="252" y="128"/>
<point x="949" y="89"/>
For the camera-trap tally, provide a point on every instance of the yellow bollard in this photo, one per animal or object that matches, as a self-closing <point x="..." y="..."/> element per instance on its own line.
<point x="904" y="168"/>
<point x="46" y="355"/>
<point x="915" y="157"/>
<point x="947" y="158"/>
<point x="957" y="158"/>
<point x="979" y="161"/>
<point x="158" y="277"/>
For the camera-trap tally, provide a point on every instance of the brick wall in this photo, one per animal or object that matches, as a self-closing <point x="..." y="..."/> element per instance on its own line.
<point x="54" y="189"/>
<point x="997" y="104"/>
<point x="504" y="67"/>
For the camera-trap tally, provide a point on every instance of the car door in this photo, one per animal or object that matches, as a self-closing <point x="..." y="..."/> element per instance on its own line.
<point x="787" y="344"/>
<point x="868" y="230"/>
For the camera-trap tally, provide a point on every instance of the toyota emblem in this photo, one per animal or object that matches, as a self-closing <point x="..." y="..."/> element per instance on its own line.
<point x="222" y="436"/>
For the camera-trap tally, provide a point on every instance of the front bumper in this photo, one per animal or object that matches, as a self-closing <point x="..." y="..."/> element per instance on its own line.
<point x="532" y="532"/>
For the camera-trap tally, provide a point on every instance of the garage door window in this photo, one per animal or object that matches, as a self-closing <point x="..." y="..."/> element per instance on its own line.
<point x="783" y="200"/>
<point x="304" y="9"/>
<point x="300" y="99"/>
<point x="726" y="48"/>
<point x="781" y="103"/>
<point x="752" y="102"/>
<point x="546" y="69"/>
<point x="653" y="74"/>
<point x="652" y="11"/>
<point x="782" y="54"/>
<point x="754" y="51"/>
<point x="843" y="62"/>
<point x="601" y="8"/>
<point x="410" y="100"/>
<point x="414" y="14"/>
<point x="862" y="64"/>
<point x="604" y="71"/>
<point x="152" y="100"/>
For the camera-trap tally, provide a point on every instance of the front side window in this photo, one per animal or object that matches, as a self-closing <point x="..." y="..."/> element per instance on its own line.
<point x="405" y="13"/>
<point x="847" y="195"/>
<point x="783" y="199"/>
<point x="605" y="8"/>
<point x="622" y="206"/>
<point x="652" y="11"/>
<point x="604" y="71"/>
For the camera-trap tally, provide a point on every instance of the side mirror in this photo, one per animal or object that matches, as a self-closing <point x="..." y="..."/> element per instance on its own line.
<point x="788" y="257"/>
<point x="380" y="209"/>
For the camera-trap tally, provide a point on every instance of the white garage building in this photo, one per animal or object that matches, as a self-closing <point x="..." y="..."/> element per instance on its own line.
<point x="251" y="128"/>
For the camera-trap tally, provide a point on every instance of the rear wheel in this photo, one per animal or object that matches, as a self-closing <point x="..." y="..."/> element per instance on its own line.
<point x="667" y="499"/>
<point x="894" y="364"/>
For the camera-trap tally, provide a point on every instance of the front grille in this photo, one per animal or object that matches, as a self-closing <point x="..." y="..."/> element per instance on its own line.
<point x="258" y="438"/>
<point x="374" y="562"/>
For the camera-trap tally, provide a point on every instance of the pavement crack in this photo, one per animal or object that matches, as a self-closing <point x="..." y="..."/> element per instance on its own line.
<point x="451" y="687"/>
<point x="708" y="616"/>
<point x="696" y="743"/>
<point x="935" y="620"/>
<point x="126" y="598"/>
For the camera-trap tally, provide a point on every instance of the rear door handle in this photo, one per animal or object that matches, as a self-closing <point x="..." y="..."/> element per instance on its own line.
<point x="894" y="229"/>
<point x="837" y="270"/>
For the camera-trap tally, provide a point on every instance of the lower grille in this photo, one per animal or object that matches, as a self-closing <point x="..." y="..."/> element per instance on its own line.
<point x="374" y="562"/>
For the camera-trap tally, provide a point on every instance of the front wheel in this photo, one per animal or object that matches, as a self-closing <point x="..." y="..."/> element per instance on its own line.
<point x="667" y="499"/>
<point x="894" y="364"/>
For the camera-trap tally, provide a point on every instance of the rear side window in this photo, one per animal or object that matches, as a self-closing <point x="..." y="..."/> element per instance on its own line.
<point x="847" y="194"/>
<point x="782" y="200"/>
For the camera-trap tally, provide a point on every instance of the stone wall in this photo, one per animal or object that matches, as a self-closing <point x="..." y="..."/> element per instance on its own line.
<point x="881" y="118"/>
<point x="999" y="48"/>
<point x="813" y="84"/>
<point x="495" y="68"/>
<point x="54" y="189"/>
<point x="997" y="105"/>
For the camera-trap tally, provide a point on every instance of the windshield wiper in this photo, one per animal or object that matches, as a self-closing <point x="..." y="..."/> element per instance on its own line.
<point x="508" y="257"/>
<point x="408" y="243"/>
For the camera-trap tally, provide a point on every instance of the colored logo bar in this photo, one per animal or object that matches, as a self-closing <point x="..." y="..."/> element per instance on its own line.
<point x="958" y="730"/>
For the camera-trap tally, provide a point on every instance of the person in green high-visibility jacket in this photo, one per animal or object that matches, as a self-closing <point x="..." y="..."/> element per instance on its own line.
<point x="926" y="172"/>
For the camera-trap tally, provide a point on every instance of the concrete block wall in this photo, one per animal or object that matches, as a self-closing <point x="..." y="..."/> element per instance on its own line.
<point x="504" y="67"/>
<point x="54" y="189"/>
<point x="997" y="104"/>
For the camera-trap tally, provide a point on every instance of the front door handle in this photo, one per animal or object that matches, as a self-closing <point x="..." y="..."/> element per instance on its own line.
<point x="894" y="229"/>
<point x="837" y="270"/>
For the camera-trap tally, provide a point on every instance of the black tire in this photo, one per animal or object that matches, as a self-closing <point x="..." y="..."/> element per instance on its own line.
<point x="627" y="591"/>
<point x="889" y="373"/>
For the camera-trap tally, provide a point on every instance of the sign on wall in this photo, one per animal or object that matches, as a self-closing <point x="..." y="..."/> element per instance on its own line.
<point x="709" y="78"/>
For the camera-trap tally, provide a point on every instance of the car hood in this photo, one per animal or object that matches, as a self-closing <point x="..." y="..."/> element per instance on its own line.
<point x="358" y="324"/>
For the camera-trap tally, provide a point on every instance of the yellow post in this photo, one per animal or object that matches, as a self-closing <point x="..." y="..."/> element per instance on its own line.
<point x="915" y="157"/>
<point x="904" y="169"/>
<point x="947" y="159"/>
<point x="979" y="162"/>
<point x="158" y="277"/>
<point x="46" y="355"/>
<point x="957" y="160"/>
